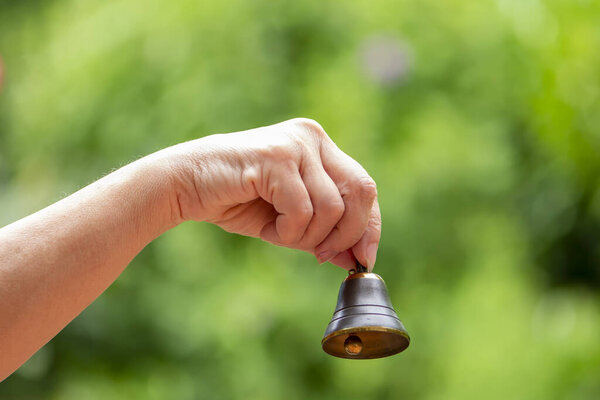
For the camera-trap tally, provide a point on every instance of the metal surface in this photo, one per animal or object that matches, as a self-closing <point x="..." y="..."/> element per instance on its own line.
<point x="364" y="324"/>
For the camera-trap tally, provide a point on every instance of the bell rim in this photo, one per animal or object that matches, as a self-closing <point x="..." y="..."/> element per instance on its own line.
<point x="368" y="329"/>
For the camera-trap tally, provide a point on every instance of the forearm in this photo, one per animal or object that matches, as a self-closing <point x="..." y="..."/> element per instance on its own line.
<point x="57" y="261"/>
<point x="288" y="184"/>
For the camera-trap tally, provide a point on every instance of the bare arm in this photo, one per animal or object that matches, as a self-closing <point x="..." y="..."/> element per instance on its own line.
<point x="287" y="184"/>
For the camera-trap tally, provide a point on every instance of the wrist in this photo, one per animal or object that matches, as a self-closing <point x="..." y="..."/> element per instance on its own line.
<point x="152" y="183"/>
<point x="177" y="173"/>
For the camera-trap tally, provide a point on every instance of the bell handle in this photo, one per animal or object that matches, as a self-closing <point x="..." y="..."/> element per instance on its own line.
<point x="358" y="269"/>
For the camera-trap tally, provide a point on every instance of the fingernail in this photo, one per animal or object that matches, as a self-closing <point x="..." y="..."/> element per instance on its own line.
<point x="371" y="255"/>
<point x="326" y="256"/>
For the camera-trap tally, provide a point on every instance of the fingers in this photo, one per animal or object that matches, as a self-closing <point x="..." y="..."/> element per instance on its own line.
<point x="327" y="203"/>
<point x="365" y="250"/>
<point x="259" y="213"/>
<point x="292" y="202"/>
<point x="359" y="193"/>
<point x="345" y="260"/>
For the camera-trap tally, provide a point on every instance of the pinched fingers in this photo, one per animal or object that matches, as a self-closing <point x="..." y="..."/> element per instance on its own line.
<point x="327" y="203"/>
<point x="361" y="221"/>
<point x="365" y="250"/>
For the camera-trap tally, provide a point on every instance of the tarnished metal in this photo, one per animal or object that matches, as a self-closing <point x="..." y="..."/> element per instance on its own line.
<point x="364" y="324"/>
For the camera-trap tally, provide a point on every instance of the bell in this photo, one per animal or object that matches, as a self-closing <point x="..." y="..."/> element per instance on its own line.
<point x="364" y="324"/>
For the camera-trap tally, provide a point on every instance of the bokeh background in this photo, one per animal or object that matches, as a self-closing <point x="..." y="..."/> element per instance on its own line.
<point x="478" y="119"/>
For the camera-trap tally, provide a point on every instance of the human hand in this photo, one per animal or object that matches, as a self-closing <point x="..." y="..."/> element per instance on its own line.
<point x="288" y="184"/>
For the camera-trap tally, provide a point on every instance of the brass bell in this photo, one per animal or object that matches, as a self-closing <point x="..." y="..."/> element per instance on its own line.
<point x="364" y="324"/>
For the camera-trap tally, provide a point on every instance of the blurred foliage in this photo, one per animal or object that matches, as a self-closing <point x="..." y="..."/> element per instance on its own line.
<point x="478" y="119"/>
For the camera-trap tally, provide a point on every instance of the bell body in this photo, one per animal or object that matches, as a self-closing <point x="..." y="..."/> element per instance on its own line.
<point x="364" y="324"/>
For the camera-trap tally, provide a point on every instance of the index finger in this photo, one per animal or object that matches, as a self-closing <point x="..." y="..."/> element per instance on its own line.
<point x="365" y="251"/>
<point x="359" y="192"/>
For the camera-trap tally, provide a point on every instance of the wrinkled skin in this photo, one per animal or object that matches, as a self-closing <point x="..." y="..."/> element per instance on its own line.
<point x="288" y="184"/>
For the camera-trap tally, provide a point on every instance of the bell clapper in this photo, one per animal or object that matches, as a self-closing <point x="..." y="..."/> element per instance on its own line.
<point x="353" y="345"/>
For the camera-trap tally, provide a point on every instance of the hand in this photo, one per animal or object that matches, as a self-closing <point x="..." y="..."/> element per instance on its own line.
<point x="288" y="184"/>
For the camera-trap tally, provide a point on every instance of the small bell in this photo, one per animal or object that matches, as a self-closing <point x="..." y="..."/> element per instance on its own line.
<point x="364" y="324"/>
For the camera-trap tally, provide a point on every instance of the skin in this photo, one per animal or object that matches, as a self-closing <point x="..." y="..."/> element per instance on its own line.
<point x="287" y="184"/>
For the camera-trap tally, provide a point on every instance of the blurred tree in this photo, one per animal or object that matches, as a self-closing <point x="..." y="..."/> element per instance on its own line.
<point x="477" y="119"/>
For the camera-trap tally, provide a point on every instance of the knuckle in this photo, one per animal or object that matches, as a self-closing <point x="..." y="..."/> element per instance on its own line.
<point x="366" y="188"/>
<point x="333" y="209"/>
<point x="304" y="213"/>
<point x="309" y="125"/>
<point x="375" y="223"/>
<point x="279" y="153"/>
<point x="272" y="145"/>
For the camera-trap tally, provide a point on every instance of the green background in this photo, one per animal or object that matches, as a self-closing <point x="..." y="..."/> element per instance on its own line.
<point x="478" y="120"/>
